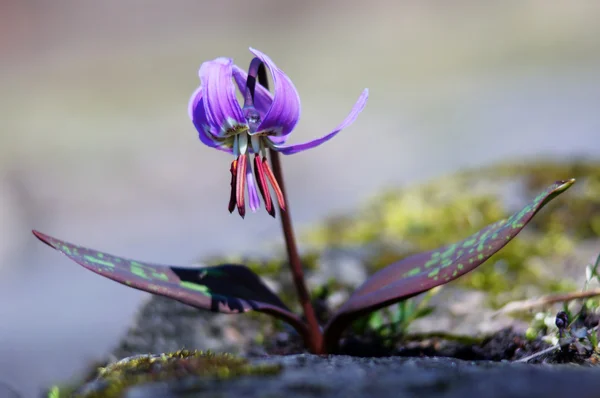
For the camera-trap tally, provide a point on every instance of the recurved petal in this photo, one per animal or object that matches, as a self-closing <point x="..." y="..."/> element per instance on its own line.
<point x="262" y="97"/>
<point x="193" y="103"/>
<point x="358" y="107"/>
<point x="222" y="109"/>
<point x="282" y="116"/>
<point x="197" y="113"/>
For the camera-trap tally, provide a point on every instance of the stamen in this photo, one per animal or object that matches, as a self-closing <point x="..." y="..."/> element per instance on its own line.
<point x="243" y="143"/>
<point x="241" y="184"/>
<point x="236" y="146"/>
<point x="262" y="185"/>
<point x="274" y="183"/>
<point x="232" y="195"/>
<point x="255" y="143"/>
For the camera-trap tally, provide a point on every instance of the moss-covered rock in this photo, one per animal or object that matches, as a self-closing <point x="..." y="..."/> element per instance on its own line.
<point x="113" y="380"/>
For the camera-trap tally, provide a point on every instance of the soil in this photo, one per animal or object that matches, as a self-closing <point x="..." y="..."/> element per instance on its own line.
<point x="504" y="345"/>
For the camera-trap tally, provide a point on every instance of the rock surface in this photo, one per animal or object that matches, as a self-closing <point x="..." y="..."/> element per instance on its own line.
<point x="343" y="376"/>
<point x="165" y="325"/>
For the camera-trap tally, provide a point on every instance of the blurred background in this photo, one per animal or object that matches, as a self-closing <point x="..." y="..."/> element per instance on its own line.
<point x="96" y="146"/>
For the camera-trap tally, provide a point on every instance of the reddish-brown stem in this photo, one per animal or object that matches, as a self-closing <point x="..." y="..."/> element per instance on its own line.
<point x="314" y="331"/>
<point x="313" y="337"/>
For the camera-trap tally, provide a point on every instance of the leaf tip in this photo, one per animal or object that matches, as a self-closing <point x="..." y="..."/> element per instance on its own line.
<point x="47" y="239"/>
<point x="565" y="184"/>
<point x="40" y="236"/>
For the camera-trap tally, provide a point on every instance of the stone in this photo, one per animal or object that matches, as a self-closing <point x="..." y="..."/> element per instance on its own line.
<point x="307" y="376"/>
<point x="166" y="325"/>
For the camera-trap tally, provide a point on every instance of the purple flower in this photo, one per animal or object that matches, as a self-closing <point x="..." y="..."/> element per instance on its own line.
<point x="265" y="121"/>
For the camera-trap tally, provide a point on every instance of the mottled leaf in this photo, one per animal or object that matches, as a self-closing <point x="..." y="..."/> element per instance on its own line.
<point x="223" y="288"/>
<point x="421" y="272"/>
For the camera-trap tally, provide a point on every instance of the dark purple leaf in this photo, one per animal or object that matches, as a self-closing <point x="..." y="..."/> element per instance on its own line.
<point x="421" y="272"/>
<point x="224" y="288"/>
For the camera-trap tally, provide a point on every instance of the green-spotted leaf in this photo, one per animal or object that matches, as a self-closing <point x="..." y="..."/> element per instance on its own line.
<point x="424" y="271"/>
<point x="224" y="288"/>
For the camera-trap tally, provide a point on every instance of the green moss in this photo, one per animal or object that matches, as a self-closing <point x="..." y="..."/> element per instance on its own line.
<point x="112" y="380"/>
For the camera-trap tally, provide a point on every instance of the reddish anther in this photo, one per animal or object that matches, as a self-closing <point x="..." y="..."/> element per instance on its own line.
<point x="274" y="184"/>
<point x="259" y="171"/>
<point x="241" y="184"/>
<point x="232" y="196"/>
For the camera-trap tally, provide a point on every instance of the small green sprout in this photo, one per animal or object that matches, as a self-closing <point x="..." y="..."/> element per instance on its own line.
<point x="392" y="323"/>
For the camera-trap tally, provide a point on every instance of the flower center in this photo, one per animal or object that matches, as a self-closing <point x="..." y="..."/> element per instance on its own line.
<point x="252" y="117"/>
<point x="240" y="139"/>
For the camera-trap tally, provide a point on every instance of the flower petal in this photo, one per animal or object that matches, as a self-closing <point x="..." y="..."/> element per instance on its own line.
<point x="197" y="113"/>
<point x="358" y="107"/>
<point x="282" y="116"/>
<point x="222" y="109"/>
<point x="194" y="100"/>
<point x="262" y="97"/>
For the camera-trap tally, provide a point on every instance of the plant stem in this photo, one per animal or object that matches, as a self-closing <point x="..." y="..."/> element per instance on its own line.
<point x="315" y="335"/>
<point x="314" y="339"/>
